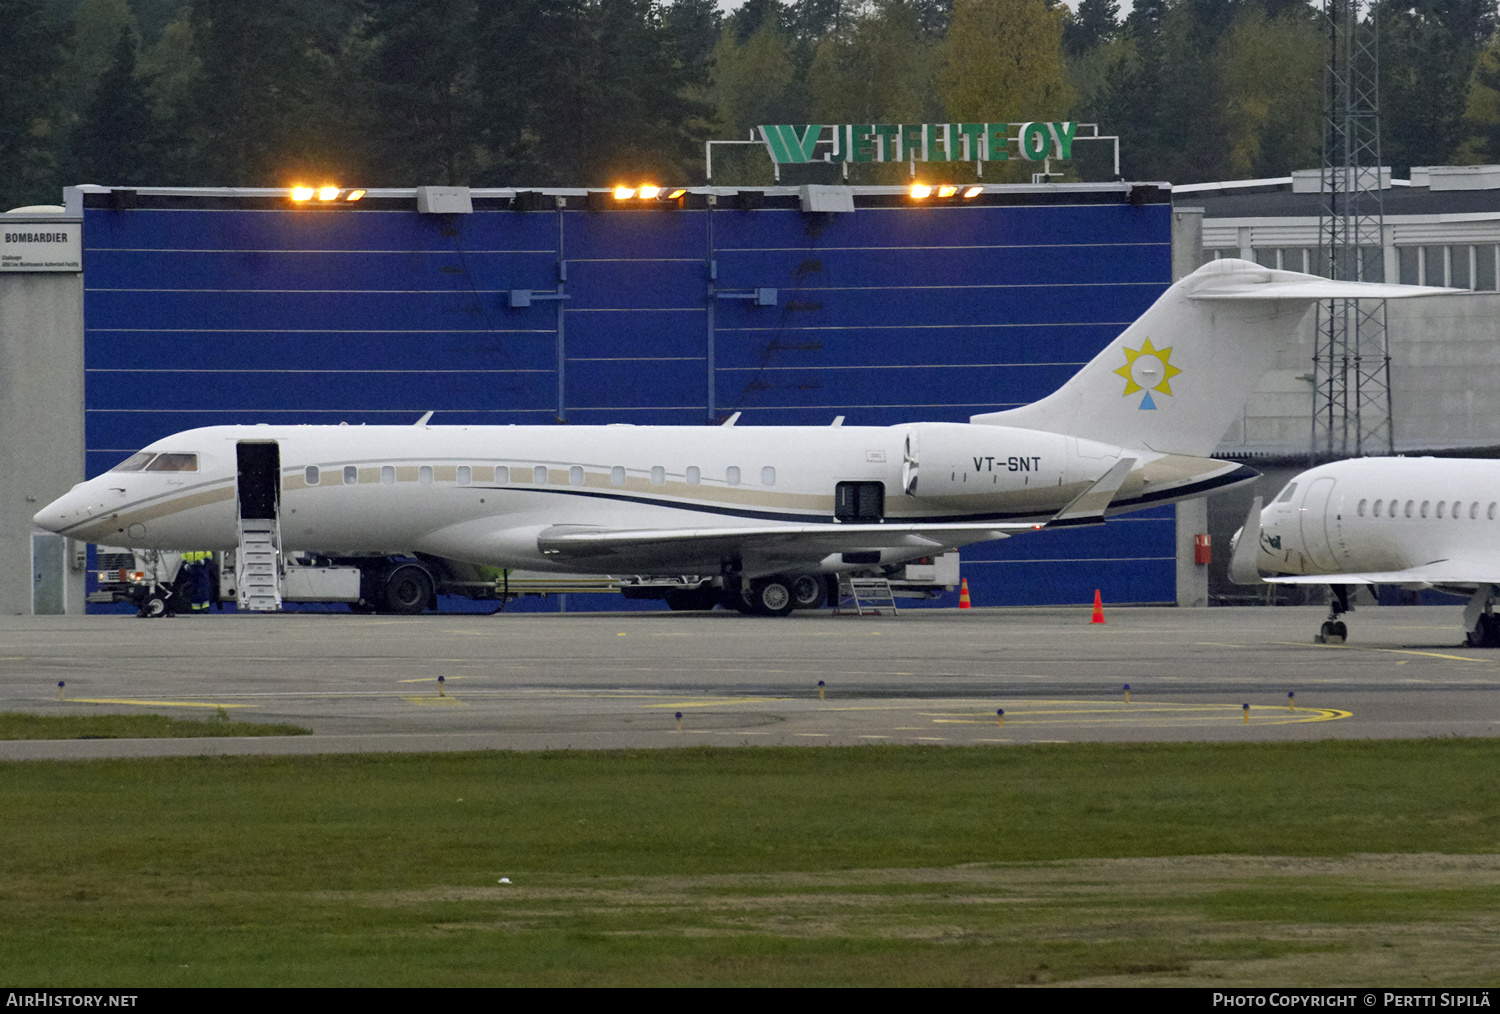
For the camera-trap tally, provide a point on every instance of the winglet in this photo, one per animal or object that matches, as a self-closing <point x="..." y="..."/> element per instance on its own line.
<point x="423" y="421"/>
<point x="1088" y="507"/>
<point x="1242" y="568"/>
<point x="731" y="420"/>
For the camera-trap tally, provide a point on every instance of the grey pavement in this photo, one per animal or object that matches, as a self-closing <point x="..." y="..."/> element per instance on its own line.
<point x="593" y="681"/>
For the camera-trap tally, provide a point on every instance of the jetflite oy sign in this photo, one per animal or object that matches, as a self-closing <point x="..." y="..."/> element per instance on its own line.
<point x="918" y="142"/>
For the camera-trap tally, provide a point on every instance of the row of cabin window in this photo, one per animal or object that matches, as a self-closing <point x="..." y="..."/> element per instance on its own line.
<point x="1456" y="513"/>
<point x="465" y="476"/>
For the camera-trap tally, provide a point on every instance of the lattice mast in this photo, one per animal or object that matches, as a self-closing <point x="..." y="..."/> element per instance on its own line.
<point x="1351" y="356"/>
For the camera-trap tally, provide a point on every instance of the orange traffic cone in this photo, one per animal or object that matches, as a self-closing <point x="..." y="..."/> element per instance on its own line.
<point x="963" y="594"/>
<point x="1098" y="608"/>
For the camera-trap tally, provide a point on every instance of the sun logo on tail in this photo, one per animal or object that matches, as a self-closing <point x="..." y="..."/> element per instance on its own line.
<point x="1148" y="369"/>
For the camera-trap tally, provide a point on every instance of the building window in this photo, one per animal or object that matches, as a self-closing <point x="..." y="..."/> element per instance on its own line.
<point x="1484" y="268"/>
<point x="1409" y="260"/>
<point x="1267" y="257"/>
<point x="1458" y="266"/>
<point x="1432" y="265"/>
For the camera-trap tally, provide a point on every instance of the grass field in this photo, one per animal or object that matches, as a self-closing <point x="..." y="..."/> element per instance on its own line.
<point x="21" y="725"/>
<point x="1321" y="863"/>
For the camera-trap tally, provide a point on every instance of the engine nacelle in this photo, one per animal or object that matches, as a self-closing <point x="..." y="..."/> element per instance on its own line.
<point x="956" y="459"/>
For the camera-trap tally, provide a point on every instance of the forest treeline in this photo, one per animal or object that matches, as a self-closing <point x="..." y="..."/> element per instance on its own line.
<point x="588" y="92"/>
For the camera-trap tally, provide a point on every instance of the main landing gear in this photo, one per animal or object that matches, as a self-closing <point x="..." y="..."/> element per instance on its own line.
<point x="775" y="595"/>
<point x="1333" y="630"/>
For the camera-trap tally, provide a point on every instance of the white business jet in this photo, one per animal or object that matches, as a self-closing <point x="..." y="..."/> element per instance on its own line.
<point x="1418" y="522"/>
<point x="763" y="507"/>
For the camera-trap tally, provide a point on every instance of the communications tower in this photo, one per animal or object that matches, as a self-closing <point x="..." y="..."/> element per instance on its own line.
<point x="1351" y="356"/>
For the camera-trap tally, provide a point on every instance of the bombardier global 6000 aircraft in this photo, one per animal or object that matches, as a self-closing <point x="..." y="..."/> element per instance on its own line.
<point x="761" y="507"/>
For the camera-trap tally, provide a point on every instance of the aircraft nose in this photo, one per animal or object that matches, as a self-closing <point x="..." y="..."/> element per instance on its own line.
<point x="67" y="510"/>
<point x="53" y="517"/>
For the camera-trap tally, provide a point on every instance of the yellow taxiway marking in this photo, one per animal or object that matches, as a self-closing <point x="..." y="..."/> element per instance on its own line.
<point x="713" y="702"/>
<point x="1393" y="651"/>
<point x="152" y="704"/>
<point x="1265" y="714"/>
<point x="434" y="700"/>
<point x="433" y="679"/>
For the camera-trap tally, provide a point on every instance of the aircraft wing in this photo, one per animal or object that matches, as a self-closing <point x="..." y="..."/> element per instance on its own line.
<point x="807" y="541"/>
<point x="1466" y="571"/>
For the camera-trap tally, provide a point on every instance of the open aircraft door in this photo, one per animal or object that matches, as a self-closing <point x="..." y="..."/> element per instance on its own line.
<point x="258" y="503"/>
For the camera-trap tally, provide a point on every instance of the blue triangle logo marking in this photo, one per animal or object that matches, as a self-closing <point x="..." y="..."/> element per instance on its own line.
<point x="1146" y="402"/>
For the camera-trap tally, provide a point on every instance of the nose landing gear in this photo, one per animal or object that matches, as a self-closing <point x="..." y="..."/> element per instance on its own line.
<point x="1334" y="630"/>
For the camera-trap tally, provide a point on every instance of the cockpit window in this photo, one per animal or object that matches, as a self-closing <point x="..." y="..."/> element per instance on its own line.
<point x="1286" y="495"/>
<point x="174" y="463"/>
<point x="135" y="463"/>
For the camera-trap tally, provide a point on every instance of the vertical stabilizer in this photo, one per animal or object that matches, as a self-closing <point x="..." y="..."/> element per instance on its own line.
<point x="1176" y="379"/>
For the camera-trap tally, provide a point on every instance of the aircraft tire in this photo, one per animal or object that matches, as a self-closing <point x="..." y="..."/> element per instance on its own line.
<point x="807" y="591"/>
<point x="407" y="590"/>
<point x="154" y="607"/>
<point x="772" y="596"/>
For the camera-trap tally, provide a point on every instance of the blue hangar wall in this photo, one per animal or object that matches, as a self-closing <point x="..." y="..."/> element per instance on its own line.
<point x="202" y="310"/>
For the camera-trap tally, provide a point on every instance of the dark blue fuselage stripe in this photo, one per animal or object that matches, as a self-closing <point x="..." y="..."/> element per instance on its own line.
<point x="1242" y="474"/>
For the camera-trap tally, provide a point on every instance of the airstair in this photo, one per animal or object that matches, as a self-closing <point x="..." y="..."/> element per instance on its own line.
<point x="258" y="566"/>
<point x="258" y="561"/>
<point x="864" y="596"/>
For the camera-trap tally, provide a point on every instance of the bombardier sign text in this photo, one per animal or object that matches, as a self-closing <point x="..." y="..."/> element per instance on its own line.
<point x="918" y="142"/>
<point x="34" y="246"/>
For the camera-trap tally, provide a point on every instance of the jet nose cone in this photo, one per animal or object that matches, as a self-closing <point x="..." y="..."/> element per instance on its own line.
<point x="52" y="517"/>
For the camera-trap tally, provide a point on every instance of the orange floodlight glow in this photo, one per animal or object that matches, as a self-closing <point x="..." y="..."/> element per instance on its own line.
<point x="920" y="191"/>
<point x="973" y="191"/>
<point x="624" y="193"/>
<point x="328" y="193"/>
<point x="947" y="190"/>
<point x="649" y="192"/>
<point x="354" y="195"/>
<point x="302" y="193"/>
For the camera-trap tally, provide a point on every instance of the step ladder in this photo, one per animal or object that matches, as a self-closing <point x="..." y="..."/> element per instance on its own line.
<point x="864" y="596"/>
<point x="258" y="566"/>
